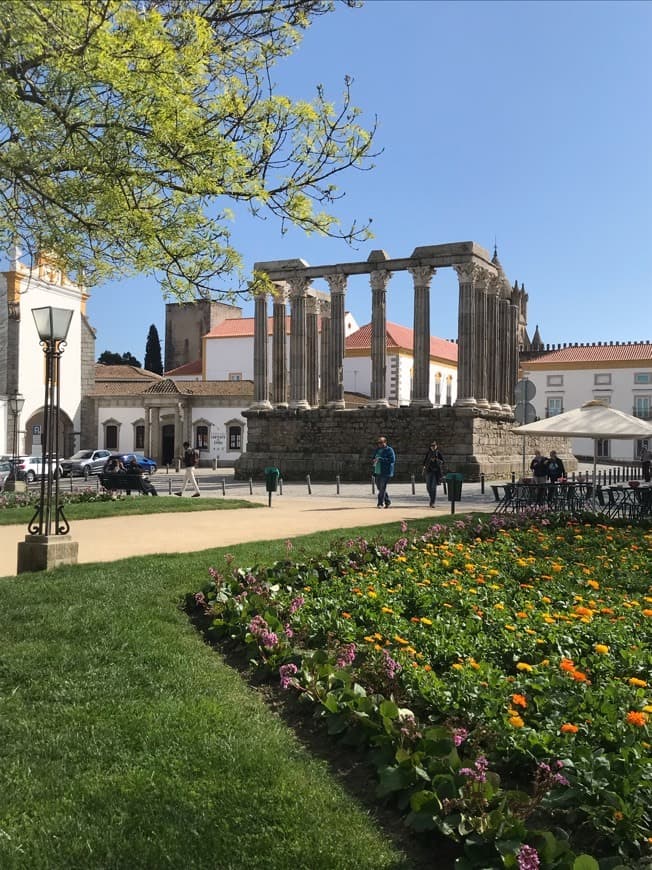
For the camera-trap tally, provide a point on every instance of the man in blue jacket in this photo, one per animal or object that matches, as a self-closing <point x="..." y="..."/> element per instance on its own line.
<point x="383" y="464"/>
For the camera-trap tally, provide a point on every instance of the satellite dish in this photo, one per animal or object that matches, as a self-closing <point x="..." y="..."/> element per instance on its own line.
<point x="524" y="412"/>
<point x="524" y="391"/>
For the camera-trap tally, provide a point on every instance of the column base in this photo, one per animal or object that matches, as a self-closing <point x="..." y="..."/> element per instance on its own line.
<point x="495" y="406"/>
<point x="261" y="406"/>
<point x="466" y="402"/>
<point x="43" y="552"/>
<point x="483" y="403"/>
<point x="300" y="405"/>
<point x="420" y="403"/>
<point x="15" y="486"/>
<point x="378" y="403"/>
<point x="337" y="405"/>
<point x="281" y="406"/>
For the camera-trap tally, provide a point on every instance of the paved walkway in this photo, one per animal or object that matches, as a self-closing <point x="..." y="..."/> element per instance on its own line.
<point x="293" y="513"/>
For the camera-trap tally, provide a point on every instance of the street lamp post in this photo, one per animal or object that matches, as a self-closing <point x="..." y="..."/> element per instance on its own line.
<point x="48" y="543"/>
<point x="16" y="402"/>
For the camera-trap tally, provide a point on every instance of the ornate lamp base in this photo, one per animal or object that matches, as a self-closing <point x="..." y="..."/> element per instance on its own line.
<point x="43" y="552"/>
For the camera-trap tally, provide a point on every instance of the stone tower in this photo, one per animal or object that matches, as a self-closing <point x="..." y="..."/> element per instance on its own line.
<point x="186" y="323"/>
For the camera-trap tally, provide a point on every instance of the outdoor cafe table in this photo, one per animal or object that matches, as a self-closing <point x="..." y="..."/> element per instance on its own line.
<point x="569" y="496"/>
<point x="626" y="502"/>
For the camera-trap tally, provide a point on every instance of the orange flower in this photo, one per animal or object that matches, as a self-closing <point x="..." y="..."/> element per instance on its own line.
<point x="569" y="728"/>
<point x="516" y="722"/>
<point x="346" y="615"/>
<point x="567" y="665"/>
<point x="580" y="677"/>
<point x="636" y="718"/>
<point x="634" y="681"/>
<point x="519" y="701"/>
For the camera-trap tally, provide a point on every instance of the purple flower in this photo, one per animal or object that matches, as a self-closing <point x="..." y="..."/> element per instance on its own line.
<point x="296" y="604"/>
<point x="528" y="858"/>
<point x="286" y="673"/>
<point x="390" y="666"/>
<point x="404" y="526"/>
<point x="478" y="773"/>
<point x="346" y="655"/>
<point x="459" y="736"/>
<point x="259" y="628"/>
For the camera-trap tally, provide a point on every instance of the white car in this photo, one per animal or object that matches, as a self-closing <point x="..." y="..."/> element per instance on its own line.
<point x="5" y="472"/>
<point x="30" y="467"/>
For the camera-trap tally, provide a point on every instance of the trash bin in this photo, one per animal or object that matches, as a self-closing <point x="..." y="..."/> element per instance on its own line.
<point x="454" y="486"/>
<point x="272" y="475"/>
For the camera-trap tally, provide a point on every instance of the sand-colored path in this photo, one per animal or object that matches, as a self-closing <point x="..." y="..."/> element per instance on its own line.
<point x="107" y="540"/>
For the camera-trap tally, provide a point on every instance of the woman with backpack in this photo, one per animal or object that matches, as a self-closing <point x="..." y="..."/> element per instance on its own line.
<point x="433" y="469"/>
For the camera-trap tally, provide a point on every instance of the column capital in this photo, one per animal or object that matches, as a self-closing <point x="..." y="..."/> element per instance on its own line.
<point x="324" y="307"/>
<point x="312" y="305"/>
<point x="467" y="272"/>
<point x="422" y="275"/>
<point x="337" y="283"/>
<point x="379" y="279"/>
<point x="299" y="285"/>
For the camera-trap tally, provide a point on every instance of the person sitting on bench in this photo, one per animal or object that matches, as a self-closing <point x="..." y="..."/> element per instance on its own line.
<point x="134" y="468"/>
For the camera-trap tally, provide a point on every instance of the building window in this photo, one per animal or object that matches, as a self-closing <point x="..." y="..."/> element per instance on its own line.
<point x="201" y="438"/>
<point x="603" y="448"/>
<point x="554" y="406"/>
<point x="111" y="437"/>
<point x="602" y="380"/>
<point x="554" y="380"/>
<point x="438" y="389"/>
<point x="643" y="377"/>
<point x="642" y="407"/>
<point x="235" y="376"/>
<point x="235" y="437"/>
<point x="449" y="390"/>
<point x="139" y="438"/>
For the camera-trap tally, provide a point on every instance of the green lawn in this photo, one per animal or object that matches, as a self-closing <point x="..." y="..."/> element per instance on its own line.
<point x="90" y="510"/>
<point x="126" y="742"/>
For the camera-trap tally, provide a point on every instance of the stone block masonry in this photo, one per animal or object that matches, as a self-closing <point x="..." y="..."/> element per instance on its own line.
<point x="326" y="442"/>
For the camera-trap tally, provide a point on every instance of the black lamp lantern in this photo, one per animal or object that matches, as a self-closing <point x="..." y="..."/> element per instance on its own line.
<point x="52" y="325"/>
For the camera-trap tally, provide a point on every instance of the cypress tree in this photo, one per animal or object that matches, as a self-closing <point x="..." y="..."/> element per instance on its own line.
<point x="153" y="361"/>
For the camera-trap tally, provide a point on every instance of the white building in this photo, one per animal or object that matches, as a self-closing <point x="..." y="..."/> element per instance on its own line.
<point x="619" y="374"/>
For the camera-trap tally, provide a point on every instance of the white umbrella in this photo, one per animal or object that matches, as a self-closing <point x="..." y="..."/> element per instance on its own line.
<point x="593" y="420"/>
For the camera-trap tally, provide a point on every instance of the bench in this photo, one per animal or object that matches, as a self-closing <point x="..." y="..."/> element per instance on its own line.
<point x="122" y="480"/>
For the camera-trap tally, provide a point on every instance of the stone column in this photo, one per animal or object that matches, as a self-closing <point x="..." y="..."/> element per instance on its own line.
<point x="312" y="351"/>
<point x="155" y="435"/>
<point x="481" y="355"/>
<point x="503" y="344"/>
<point x="298" y="376"/>
<point x="466" y="329"/>
<point x="422" y="276"/>
<point x="261" y="373"/>
<point x="180" y="434"/>
<point x="335" y="394"/>
<point x="512" y="366"/>
<point x="324" y="352"/>
<point x="279" y="352"/>
<point x="379" y="281"/>
<point x="494" y="353"/>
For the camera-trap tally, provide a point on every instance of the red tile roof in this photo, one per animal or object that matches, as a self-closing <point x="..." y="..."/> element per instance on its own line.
<point x="635" y="352"/>
<point x="123" y="373"/>
<point x="242" y="327"/>
<point x="191" y="368"/>
<point x="401" y="338"/>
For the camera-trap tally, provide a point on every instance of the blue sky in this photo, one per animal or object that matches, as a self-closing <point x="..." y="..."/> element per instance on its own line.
<point x="528" y="123"/>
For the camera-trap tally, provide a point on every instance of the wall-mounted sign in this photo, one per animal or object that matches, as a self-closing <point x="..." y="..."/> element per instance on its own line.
<point x="36" y="429"/>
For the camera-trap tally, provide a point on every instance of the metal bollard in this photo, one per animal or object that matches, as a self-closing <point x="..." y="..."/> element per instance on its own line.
<point x="513" y="477"/>
<point x="251" y="487"/>
<point x="337" y="484"/>
<point x="169" y="486"/>
<point x="280" y="486"/>
<point x="167" y="468"/>
<point x="308" y="484"/>
<point x="413" y="486"/>
<point x="223" y="486"/>
<point x="482" y="483"/>
<point x="71" y="482"/>
<point x="214" y="464"/>
<point x="373" y="485"/>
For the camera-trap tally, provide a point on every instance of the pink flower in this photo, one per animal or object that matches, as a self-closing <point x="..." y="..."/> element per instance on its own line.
<point x="528" y="858"/>
<point x="286" y="673"/>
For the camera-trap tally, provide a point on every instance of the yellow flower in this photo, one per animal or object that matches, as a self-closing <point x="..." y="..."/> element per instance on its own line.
<point x="634" y="681"/>
<point x="457" y="666"/>
<point x="426" y="621"/>
<point x="516" y="722"/>
<point x="523" y="666"/>
<point x="601" y="648"/>
<point x="386" y="610"/>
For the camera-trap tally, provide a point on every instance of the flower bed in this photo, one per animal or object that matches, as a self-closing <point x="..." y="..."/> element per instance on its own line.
<point x="497" y="677"/>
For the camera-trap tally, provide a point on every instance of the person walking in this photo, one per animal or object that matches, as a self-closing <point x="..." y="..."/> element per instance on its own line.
<point x="190" y="458"/>
<point x="433" y="469"/>
<point x="383" y="462"/>
<point x="646" y="457"/>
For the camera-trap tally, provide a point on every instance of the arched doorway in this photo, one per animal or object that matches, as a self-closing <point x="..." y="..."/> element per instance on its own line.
<point x="34" y="436"/>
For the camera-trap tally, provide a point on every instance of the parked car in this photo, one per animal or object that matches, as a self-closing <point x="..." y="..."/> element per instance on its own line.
<point x="146" y="465"/>
<point x="5" y="473"/>
<point x="30" y="467"/>
<point x="85" y="462"/>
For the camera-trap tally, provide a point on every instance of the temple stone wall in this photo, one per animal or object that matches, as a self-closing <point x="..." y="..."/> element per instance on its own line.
<point x="326" y="442"/>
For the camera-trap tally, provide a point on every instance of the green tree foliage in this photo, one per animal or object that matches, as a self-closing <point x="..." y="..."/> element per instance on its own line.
<point x="108" y="358"/>
<point x="128" y="128"/>
<point x="153" y="361"/>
